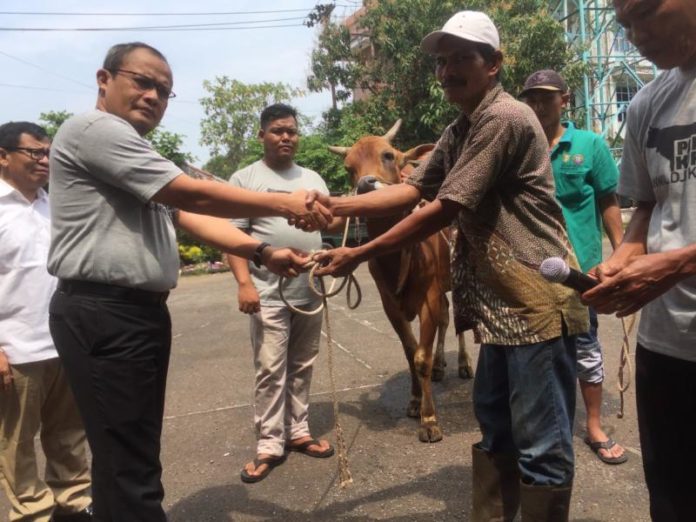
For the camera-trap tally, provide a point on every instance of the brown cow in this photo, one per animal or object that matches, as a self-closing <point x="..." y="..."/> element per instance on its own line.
<point x="410" y="282"/>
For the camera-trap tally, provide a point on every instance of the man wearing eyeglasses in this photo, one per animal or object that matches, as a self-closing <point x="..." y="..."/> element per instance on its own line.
<point x="114" y="205"/>
<point x="34" y="393"/>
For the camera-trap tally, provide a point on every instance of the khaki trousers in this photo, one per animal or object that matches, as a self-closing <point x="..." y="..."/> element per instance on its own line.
<point x="40" y="398"/>
<point x="285" y="346"/>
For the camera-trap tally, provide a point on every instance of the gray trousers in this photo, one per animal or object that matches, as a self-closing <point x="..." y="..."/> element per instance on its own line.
<point x="285" y="345"/>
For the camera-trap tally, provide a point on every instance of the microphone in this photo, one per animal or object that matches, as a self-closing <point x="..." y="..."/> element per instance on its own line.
<point x="555" y="270"/>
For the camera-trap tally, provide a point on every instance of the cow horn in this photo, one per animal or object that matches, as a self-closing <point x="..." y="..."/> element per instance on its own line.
<point x="391" y="133"/>
<point x="341" y="151"/>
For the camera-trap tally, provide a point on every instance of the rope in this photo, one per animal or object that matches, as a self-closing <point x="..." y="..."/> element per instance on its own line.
<point x="344" y="475"/>
<point x="625" y="360"/>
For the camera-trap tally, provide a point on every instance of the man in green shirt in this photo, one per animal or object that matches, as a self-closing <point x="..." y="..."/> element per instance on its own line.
<point x="586" y="176"/>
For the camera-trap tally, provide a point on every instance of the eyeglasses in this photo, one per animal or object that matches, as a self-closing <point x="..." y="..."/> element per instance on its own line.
<point x="144" y="84"/>
<point x="35" y="154"/>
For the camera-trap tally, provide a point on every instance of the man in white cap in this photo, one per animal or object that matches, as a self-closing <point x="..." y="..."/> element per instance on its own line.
<point x="490" y="173"/>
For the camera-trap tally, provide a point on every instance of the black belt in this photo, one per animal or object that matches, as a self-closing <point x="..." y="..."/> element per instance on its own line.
<point x="136" y="295"/>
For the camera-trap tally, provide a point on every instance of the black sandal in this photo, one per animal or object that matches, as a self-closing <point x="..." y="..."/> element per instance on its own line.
<point x="304" y="448"/>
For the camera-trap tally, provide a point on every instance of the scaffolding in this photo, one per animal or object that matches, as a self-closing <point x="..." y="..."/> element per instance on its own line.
<point x="615" y="69"/>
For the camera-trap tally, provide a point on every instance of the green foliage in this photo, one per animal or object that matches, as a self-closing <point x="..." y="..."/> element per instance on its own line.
<point x="232" y="111"/>
<point x="51" y="120"/>
<point x="401" y="77"/>
<point x="169" y="144"/>
<point x="192" y="251"/>
<point x="220" y="165"/>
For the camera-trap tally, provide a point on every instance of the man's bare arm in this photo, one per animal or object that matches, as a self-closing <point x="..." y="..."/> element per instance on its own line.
<point x="221" y="200"/>
<point x="224" y="236"/>
<point x="611" y="218"/>
<point x="413" y="228"/>
<point x="387" y="201"/>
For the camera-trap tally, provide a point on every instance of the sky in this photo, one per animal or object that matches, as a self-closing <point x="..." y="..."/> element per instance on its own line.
<point x="43" y="71"/>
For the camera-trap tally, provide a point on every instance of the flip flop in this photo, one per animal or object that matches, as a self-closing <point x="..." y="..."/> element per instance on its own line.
<point x="607" y="445"/>
<point x="271" y="462"/>
<point x="304" y="448"/>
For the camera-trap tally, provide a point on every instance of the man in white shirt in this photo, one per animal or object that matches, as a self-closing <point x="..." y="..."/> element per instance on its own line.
<point x="33" y="389"/>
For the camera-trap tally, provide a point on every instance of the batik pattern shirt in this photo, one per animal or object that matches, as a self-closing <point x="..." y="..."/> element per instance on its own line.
<point x="495" y="165"/>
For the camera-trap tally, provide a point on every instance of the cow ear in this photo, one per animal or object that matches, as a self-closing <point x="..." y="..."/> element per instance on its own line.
<point x="416" y="153"/>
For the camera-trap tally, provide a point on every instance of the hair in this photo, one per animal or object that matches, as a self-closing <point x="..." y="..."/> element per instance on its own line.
<point x="488" y="53"/>
<point x="11" y="132"/>
<point x="117" y="53"/>
<point x="276" y="112"/>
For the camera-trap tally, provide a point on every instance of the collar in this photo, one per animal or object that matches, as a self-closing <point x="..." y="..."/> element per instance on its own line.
<point x="463" y="122"/>
<point x="8" y="190"/>
<point x="567" y="137"/>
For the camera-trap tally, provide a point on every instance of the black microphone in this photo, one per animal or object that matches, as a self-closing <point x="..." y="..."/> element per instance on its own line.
<point x="555" y="270"/>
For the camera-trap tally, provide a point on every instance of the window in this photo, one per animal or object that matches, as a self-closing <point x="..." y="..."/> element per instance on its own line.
<point x="624" y="95"/>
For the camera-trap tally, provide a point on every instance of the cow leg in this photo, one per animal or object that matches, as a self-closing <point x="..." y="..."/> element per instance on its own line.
<point x="429" y="316"/>
<point x="466" y="370"/>
<point x="403" y="329"/>
<point x="439" y="362"/>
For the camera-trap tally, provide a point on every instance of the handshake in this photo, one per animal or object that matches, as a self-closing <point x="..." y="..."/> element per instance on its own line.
<point x="308" y="210"/>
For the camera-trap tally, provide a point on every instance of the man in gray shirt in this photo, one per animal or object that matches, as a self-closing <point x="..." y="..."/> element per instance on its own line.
<point x="114" y="205"/>
<point x="285" y="342"/>
<point x="654" y="268"/>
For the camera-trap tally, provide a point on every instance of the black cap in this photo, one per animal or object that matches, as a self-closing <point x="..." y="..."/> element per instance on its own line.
<point x="546" y="80"/>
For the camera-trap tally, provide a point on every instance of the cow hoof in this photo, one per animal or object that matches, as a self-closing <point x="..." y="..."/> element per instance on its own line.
<point x="437" y="374"/>
<point x="413" y="410"/>
<point x="430" y="433"/>
<point x="466" y="372"/>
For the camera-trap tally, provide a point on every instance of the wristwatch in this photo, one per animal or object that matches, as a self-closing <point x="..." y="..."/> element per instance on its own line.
<point x="257" y="254"/>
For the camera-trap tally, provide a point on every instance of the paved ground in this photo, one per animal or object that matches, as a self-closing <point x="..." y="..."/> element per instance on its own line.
<point x="208" y="434"/>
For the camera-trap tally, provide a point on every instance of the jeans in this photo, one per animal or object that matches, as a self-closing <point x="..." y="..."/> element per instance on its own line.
<point x="666" y="404"/>
<point x="116" y="354"/>
<point x="589" y="353"/>
<point x="524" y="401"/>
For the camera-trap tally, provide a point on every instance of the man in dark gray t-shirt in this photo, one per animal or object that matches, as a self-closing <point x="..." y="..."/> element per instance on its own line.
<point x="114" y="205"/>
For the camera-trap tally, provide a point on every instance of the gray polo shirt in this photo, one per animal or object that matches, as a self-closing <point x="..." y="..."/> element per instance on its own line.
<point x="104" y="228"/>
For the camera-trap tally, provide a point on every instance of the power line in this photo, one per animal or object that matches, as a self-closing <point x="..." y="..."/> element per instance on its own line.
<point x="90" y="87"/>
<point x="33" y="88"/>
<point x="237" y="28"/>
<point x="225" y="25"/>
<point x="224" y="13"/>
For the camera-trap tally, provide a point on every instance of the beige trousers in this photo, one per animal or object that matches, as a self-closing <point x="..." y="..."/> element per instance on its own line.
<point x="285" y="346"/>
<point x="41" y="399"/>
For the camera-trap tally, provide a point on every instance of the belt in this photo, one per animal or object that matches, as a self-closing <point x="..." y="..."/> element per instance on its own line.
<point x="136" y="295"/>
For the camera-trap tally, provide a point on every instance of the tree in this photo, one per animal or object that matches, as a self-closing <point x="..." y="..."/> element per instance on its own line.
<point x="400" y="76"/>
<point x="51" y="120"/>
<point x="232" y="113"/>
<point x="169" y="144"/>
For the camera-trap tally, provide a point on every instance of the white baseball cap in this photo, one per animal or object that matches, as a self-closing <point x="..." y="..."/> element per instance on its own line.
<point x="474" y="26"/>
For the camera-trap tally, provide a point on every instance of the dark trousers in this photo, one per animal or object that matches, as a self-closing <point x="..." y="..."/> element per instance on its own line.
<point x="666" y="401"/>
<point x="115" y="353"/>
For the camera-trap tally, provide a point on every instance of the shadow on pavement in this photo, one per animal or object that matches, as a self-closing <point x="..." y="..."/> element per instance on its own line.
<point x="450" y="485"/>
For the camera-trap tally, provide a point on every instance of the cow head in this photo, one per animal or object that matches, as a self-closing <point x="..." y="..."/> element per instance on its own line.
<point x="372" y="162"/>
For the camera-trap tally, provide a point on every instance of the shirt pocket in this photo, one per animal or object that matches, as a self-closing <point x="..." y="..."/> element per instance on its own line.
<point x="571" y="184"/>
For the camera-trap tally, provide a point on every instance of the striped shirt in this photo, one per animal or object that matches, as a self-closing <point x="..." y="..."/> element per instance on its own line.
<point x="495" y="165"/>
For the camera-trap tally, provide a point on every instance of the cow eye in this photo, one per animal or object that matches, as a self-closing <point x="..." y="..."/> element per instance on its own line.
<point x="389" y="156"/>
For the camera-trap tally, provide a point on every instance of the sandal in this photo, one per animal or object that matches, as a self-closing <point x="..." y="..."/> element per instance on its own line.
<point x="304" y="448"/>
<point x="607" y="445"/>
<point x="270" y="462"/>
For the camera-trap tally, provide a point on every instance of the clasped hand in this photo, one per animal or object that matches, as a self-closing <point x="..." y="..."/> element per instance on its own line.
<point x="628" y="284"/>
<point x="309" y="210"/>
